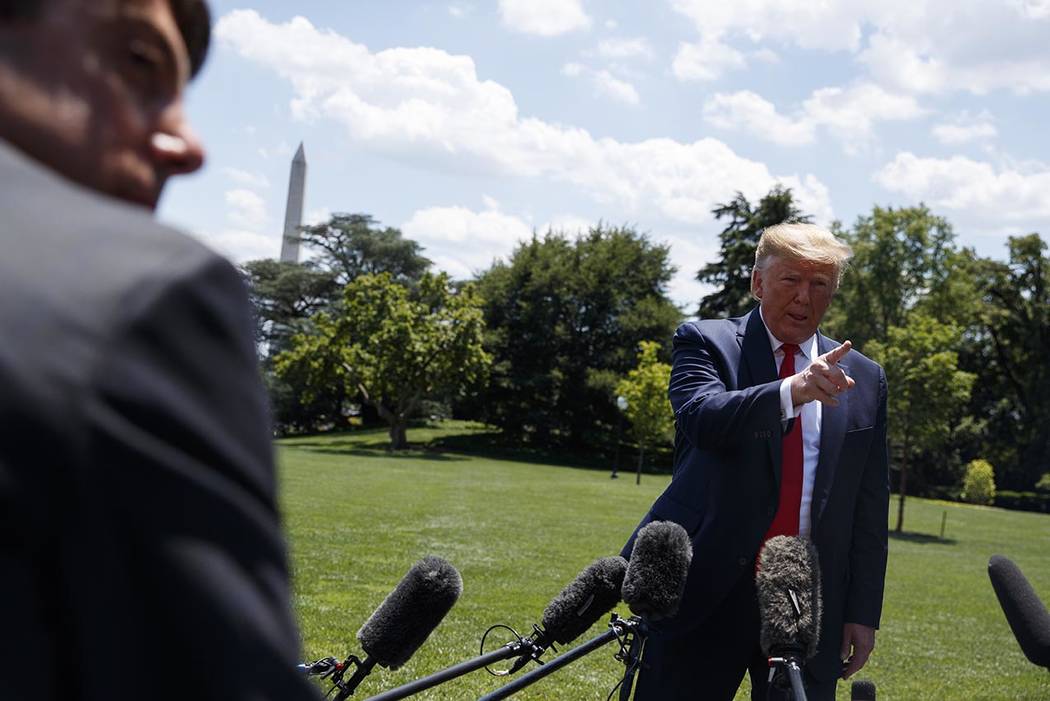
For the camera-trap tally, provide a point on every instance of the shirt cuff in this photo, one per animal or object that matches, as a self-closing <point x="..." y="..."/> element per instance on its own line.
<point x="787" y="407"/>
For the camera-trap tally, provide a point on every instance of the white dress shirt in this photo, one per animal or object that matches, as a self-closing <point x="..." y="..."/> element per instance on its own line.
<point x="811" y="415"/>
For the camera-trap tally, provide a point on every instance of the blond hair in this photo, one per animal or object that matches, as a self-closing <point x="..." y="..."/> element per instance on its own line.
<point x="802" y="242"/>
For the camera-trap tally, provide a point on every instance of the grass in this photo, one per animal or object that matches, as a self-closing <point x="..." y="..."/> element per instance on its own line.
<point x="519" y="530"/>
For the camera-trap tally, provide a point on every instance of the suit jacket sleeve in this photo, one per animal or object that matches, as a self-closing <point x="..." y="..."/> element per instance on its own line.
<point x="868" y="552"/>
<point x="709" y="415"/>
<point x="181" y="434"/>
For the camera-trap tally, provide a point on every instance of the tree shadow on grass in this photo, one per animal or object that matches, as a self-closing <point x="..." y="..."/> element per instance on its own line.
<point x="374" y="449"/>
<point x="921" y="538"/>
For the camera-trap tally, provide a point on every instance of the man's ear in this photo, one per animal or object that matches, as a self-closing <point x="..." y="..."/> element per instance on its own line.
<point x="756" y="283"/>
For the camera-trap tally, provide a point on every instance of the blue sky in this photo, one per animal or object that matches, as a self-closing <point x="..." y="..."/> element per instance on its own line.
<point x="470" y="124"/>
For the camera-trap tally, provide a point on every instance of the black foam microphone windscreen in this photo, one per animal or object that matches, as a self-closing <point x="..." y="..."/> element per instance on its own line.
<point x="862" y="690"/>
<point x="788" y="584"/>
<point x="657" y="570"/>
<point x="410" y="612"/>
<point x="587" y="598"/>
<point x="1025" y="613"/>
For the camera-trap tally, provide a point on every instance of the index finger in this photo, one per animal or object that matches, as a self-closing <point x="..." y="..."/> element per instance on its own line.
<point x="836" y="354"/>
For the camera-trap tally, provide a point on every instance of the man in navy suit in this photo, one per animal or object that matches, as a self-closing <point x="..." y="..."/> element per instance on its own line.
<point x="778" y="431"/>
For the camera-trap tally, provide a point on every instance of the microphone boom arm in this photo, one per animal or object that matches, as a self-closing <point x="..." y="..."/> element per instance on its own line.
<point x="618" y="629"/>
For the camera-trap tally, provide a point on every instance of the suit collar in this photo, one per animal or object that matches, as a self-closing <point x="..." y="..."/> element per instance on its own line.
<point x="758" y="366"/>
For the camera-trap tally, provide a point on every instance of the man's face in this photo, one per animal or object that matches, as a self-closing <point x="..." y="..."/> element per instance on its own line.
<point x="97" y="95"/>
<point x="794" y="296"/>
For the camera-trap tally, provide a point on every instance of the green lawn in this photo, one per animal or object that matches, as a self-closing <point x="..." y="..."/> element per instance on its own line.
<point x="359" y="517"/>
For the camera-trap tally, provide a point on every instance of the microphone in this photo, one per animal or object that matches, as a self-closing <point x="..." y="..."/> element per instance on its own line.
<point x="402" y="622"/>
<point x="862" y="690"/>
<point x="788" y="587"/>
<point x="594" y="592"/>
<point x="1025" y="613"/>
<point x="656" y="574"/>
<point x="579" y="605"/>
<point x="788" y="584"/>
<point x="410" y="612"/>
<point x="652" y="586"/>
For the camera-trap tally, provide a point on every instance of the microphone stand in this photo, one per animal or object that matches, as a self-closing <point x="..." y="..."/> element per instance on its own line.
<point x="334" y="670"/>
<point x="524" y="648"/>
<point x="787" y="664"/>
<point x="619" y="628"/>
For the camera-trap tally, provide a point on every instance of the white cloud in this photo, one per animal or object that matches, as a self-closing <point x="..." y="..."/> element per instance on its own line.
<point x="964" y="129"/>
<point x="428" y="106"/>
<point x="980" y="190"/>
<point x="247" y="209"/>
<point x="850" y="114"/>
<point x="706" y="60"/>
<point x="637" y="47"/>
<point x="247" y="179"/>
<point x="544" y="17"/>
<point x="568" y="223"/>
<point x="317" y="215"/>
<point x="605" y="83"/>
<point x="457" y="10"/>
<point x="239" y="245"/>
<point x="922" y="46"/>
<point x="462" y="241"/>
<point x="755" y="115"/>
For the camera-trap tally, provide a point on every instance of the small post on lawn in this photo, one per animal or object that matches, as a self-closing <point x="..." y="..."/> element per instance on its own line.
<point x="621" y="404"/>
<point x="944" y="522"/>
<point x="641" y="457"/>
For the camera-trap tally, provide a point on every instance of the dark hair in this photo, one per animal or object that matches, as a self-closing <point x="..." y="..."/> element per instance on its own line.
<point x="191" y="16"/>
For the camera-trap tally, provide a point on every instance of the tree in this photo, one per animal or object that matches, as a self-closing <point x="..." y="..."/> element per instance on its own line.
<point x="284" y="295"/>
<point x="979" y="483"/>
<point x="732" y="271"/>
<point x="900" y="256"/>
<point x="1013" y="336"/>
<point x="350" y="245"/>
<point x="565" y="317"/>
<point x="645" y="389"/>
<point x="287" y="295"/>
<point x="927" y="390"/>
<point x="393" y="346"/>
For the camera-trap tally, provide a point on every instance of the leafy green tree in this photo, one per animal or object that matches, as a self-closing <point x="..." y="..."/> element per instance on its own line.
<point x="393" y="347"/>
<point x="900" y="256"/>
<point x="350" y="245"/>
<point x="564" y="318"/>
<point x="927" y="390"/>
<point x="731" y="273"/>
<point x="1010" y="353"/>
<point x="645" y="389"/>
<point x="979" y="483"/>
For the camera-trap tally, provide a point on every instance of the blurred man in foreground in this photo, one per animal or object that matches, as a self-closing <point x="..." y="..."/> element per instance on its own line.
<point x="140" y="548"/>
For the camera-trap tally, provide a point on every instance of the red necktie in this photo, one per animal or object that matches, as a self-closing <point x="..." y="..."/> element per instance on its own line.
<point x="786" y="520"/>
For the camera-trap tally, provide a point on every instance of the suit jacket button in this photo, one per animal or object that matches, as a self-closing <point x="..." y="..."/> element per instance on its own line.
<point x="742" y="562"/>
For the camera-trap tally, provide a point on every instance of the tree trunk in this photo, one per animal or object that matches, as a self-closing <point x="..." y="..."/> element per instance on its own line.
<point x="641" y="459"/>
<point x="398" y="431"/>
<point x="903" y="489"/>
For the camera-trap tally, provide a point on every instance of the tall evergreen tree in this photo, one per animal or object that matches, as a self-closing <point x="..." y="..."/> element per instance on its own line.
<point x="731" y="273"/>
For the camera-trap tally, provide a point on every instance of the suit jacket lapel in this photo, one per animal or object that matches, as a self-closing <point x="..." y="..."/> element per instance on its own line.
<point x="758" y="367"/>
<point x="832" y="433"/>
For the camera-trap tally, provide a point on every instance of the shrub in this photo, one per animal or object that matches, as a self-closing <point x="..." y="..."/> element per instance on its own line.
<point x="1043" y="485"/>
<point x="979" y="482"/>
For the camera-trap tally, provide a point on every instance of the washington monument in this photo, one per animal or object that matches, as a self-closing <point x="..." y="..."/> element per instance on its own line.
<point x="293" y="212"/>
